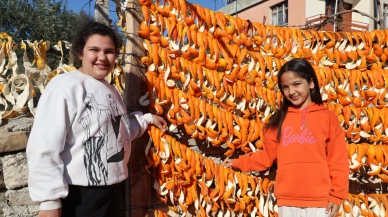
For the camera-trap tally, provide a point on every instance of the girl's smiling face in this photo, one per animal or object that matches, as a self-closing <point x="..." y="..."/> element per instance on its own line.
<point x="296" y="89"/>
<point x="98" y="56"/>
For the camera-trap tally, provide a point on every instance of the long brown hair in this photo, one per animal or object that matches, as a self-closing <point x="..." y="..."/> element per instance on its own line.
<point x="302" y="69"/>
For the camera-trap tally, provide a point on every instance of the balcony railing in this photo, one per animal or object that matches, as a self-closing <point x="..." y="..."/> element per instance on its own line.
<point x="348" y="25"/>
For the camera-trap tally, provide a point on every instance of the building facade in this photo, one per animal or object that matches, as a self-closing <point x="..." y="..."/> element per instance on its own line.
<point x="298" y="13"/>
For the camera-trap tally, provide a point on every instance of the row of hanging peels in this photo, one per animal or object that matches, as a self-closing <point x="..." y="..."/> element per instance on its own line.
<point x="214" y="76"/>
<point x="18" y="90"/>
<point x="244" y="80"/>
<point x="186" y="179"/>
<point x="21" y="86"/>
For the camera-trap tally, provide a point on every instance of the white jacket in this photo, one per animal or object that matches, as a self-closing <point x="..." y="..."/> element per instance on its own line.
<point x="81" y="136"/>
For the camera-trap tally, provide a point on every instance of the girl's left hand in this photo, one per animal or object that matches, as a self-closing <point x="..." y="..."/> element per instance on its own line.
<point x="333" y="209"/>
<point x="159" y="122"/>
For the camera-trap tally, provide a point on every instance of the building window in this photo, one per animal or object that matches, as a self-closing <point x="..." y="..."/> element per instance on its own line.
<point x="330" y="7"/>
<point x="280" y="14"/>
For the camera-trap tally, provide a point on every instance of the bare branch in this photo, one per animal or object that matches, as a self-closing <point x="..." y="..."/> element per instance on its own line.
<point x="333" y="18"/>
<point x="356" y="11"/>
<point x="318" y="25"/>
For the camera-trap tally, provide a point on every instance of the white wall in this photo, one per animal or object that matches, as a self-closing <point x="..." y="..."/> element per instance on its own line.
<point x="365" y="6"/>
<point x="382" y="5"/>
<point x="315" y="7"/>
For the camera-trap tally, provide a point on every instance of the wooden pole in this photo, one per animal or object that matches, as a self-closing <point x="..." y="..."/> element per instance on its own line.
<point x="384" y="18"/>
<point x="381" y="16"/>
<point x="139" y="180"/>
<point x="340" y="24"/>
<point x="101" y="11"/>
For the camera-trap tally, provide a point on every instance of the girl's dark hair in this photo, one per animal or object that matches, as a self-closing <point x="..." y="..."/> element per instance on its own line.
<point x="93" y="28"/>
<point x="303" y="69"/>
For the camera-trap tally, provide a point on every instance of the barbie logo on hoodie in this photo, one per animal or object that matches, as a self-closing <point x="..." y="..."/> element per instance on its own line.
<point x="305" y="137"/>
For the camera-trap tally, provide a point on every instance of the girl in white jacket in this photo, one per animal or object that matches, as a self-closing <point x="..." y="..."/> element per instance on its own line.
<point x="80" y="142"/>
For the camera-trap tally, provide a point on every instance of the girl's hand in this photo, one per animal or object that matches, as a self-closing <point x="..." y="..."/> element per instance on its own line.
<point x="50" y="213"/>
<point x="333" y="209"/>
<point x="159" y="122"/>
<point x="228" y="163"/>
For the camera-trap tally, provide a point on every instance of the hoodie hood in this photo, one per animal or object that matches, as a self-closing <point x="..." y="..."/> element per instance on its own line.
<point x="310" y="108"/>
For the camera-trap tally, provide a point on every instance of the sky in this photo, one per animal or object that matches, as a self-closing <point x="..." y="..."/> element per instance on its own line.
<point x="88" y="5"/>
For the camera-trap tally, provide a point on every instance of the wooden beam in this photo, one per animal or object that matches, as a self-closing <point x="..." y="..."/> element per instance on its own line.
<point x="340" y="27"/>
<point x="101" y="11"/>
<point x="139" y="180"/>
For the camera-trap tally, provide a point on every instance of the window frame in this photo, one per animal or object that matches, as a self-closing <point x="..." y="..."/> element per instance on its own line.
<point x="280" y="8"/>
<point x="328" y="7"/>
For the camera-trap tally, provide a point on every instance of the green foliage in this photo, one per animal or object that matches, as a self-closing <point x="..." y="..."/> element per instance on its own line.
<point x="39" y="20"/>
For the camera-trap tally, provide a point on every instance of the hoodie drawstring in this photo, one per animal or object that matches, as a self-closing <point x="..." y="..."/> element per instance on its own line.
<point x="303" y="118"/>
